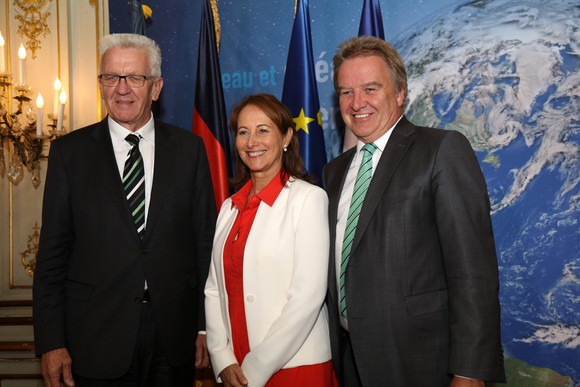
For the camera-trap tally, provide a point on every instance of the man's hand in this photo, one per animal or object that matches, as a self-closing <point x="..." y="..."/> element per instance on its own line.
<point x="201" y="354"/>
<point x="458" y="381"/>
<point x="233" y="376"/>
<point x="56" y="365"/>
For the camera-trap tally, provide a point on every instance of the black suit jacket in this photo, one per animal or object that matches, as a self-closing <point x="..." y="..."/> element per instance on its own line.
<point x="422" y="280"/>
<point x="91" y="264"/>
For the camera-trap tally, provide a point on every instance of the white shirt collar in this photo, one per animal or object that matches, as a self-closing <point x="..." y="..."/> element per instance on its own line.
<point x="119" y="132"/>
<point x="381" y="142"/>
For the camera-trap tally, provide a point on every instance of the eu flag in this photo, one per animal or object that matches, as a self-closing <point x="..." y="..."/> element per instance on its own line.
<point x="209" y="112"/>
<point x="300" y="93"/>
<point x="371" y="20"/>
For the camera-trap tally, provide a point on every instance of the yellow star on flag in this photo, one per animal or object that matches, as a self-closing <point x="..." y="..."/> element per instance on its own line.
<point x="302" y="121"/>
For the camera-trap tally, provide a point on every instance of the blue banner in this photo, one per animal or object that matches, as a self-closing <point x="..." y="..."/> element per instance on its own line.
<point x="492" y="70"/>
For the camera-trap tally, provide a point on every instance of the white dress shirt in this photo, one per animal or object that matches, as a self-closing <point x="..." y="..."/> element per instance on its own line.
<point x="146" y="146"/>
<point x="346" y="196"/>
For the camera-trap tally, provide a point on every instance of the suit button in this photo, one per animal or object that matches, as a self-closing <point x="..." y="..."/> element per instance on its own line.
<point x="250" y="298"/>
<point x="144" y="251"/>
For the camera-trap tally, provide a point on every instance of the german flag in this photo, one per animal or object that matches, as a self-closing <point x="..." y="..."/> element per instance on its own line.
<point x="209" y="113"/>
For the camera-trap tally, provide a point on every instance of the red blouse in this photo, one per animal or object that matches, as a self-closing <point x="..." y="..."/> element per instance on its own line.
<point x="313" y="375"/>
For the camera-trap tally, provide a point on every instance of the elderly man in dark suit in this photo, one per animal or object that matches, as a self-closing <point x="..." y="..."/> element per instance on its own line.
<point x="128" y="221"/>
<point x="413" y="280"/>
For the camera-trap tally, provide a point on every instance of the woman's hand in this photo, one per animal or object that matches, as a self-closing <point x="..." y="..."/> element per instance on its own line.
<point x="232" y="376"/>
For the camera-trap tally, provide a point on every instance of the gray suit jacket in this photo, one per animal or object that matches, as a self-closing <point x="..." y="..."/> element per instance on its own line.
<point x="422" y="281"/>
<point x="91" y="264"/>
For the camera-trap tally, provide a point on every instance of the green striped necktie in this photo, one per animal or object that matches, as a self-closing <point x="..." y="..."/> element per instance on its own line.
<point x="134" y="183"/>
<point x="361" y="185"/>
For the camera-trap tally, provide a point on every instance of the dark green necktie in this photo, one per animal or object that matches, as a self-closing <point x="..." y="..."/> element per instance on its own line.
<point x="134" y="183"/>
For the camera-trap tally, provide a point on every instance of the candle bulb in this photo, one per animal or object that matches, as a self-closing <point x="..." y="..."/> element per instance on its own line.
<point x="39" y="105"/>
<point x="57" y="87"/>
<point x="22" y="59"/>
<point x="62" y="100"/>
<point x="2" y="55"/>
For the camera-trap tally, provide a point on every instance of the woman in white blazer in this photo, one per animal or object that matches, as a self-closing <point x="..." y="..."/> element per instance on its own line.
<point x="265" y="319"/>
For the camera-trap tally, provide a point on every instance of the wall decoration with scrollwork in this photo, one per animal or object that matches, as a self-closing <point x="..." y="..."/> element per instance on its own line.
<point x="32" y="22"/>
<point x="28" y="256"/>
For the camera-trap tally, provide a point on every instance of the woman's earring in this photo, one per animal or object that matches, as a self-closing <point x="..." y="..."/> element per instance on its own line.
<point x="285" y="148"/>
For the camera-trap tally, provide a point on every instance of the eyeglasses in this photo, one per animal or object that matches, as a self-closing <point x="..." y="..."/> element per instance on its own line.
<point x="112" y="80"/>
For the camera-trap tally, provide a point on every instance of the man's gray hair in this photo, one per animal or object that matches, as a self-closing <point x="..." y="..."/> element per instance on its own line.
<point x="134" y="41"/>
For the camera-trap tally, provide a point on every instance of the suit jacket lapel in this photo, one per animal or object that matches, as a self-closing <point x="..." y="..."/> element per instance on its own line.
<point x="400" y="140"/>
<point x="107" y="171"/>
<point x="336" y="181"/>
<point x="162" y="174"/>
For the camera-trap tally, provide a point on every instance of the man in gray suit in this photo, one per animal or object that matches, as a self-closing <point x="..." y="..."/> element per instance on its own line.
<point x="413" y="283"/>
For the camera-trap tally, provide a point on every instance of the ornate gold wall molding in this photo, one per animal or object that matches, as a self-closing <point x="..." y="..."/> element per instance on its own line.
<point x="69" y="50"/>
<point x="32" y="22"/>
<point x="28" y="256"/>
